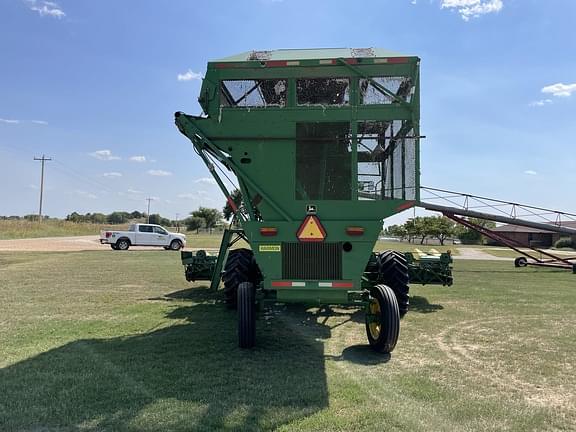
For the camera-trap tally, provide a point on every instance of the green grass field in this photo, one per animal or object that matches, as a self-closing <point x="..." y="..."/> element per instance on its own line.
<point x="19" y="229"/>
<point x="105" y="341"/>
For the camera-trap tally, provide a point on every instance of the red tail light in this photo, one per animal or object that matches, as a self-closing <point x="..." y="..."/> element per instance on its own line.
<point x="354" y="231"/>
<point x="108" y="234"/>
<point x="268" y="231"/>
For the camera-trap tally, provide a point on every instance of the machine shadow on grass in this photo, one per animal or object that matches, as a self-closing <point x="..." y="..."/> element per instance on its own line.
<point x="188" y="376"/>
<point x="422" y="305"/>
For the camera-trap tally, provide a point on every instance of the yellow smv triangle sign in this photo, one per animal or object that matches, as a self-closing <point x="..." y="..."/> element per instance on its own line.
<point x="311" y="230"/>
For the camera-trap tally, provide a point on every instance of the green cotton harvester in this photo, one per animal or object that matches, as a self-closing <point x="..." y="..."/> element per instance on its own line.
<point x="324" y="144"/>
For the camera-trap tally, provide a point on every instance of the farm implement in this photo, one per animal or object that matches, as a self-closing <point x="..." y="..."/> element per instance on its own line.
<point x="323" y="144"/>
<point x="423" y="267"/>
<point x="465" y="209"/>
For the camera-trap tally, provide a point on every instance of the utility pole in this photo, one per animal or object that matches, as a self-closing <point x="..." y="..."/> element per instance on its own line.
<point x="148" y="199"/>
<point x="177" y="223"/>
<point x="43" y="159"/>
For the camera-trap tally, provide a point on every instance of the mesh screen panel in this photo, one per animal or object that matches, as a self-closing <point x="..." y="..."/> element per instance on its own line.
<point x="323" y="91"/>
<point x="386" y="160"/>
<point x="323" y="161"/>
<point x="253" y="93"/>
<point x="371" y="94"/>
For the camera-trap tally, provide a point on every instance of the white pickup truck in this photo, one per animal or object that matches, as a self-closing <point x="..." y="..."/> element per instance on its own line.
<point x="143" y="235"/>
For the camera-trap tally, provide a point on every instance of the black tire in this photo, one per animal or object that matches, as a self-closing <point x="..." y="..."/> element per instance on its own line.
<point x="113" y="246"/>
<point x="175" y="245"/>
<point x="240" y="267"/>
<point x="520" y="262"/>
<point x="123" y="244"/>
<point x="383" y="319"/>
<point x="246" y="315"/>
<point x="393" y="272"/>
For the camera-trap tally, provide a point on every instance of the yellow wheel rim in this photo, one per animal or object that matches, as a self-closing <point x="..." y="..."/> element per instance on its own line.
<point x="374" y="326"/>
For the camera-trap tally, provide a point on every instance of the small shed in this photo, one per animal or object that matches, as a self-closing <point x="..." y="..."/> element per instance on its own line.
<point x="532" y="236"/>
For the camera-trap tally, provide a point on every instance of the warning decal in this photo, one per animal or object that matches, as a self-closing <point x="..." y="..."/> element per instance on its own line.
<point x="269" y="248"/>
<point x="311" y="230"/>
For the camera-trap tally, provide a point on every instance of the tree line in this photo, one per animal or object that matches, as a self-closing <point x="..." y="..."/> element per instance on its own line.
<point x="439" y="227"/>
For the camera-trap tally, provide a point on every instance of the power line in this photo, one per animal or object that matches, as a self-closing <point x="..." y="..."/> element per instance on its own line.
<point x="43" y="159"/>
<point x="148" y="213"/>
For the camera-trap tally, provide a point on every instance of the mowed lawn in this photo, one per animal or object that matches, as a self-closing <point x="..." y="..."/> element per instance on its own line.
<point x="113" y="341"/>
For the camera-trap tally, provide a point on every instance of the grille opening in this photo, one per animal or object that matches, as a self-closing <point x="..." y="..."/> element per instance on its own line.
<point x="312" y="261"/>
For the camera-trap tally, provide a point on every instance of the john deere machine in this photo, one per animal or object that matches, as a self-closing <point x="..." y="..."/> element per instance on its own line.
<point x="324" y="144"/>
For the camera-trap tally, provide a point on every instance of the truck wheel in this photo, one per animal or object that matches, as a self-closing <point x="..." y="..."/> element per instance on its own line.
<point x="240" y="267"/>
<point x="382" y="319"/>
<point x="122" y="244"/>
<point x="175" y="245"/>
<point x="520" y="262"/>
<point x="113" y="246"/>
<point x="393" y="272"/>
<point x="246" y="315"/>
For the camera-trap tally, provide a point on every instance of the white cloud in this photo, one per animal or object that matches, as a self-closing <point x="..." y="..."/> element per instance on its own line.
<point x="86" y="194"/>
<point x="473" y="8"/>
<point x="138" y="158"/>
<point x="134" y="191"/>
<point x="14" y="121"/>
<point x="530" y="172"/>
<point x="193" y="195"/>
<point x="540" y="103"/>
<point x="46" y="8"/>
<point x="206" y="180"/>
<point x="104" y="155"/>
<point x="159" y="173"/>
<point x="189" y="75"/>
<point x="560" y="89"/>
<point x="112" y="174"/>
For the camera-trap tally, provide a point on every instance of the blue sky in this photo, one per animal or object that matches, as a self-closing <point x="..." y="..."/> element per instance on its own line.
<point x="94" y="84"/>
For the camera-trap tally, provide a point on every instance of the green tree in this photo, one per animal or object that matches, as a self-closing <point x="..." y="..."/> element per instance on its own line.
<point x="118" y="217"/>
<point x="98" y="218"/>
<point x="439" y="227"/>
<point x="417" y="228"/>
<point x="397" y="231"/>
<point x="210" y="216"/>
<point x="194" y="223"/>
<point x="74" y="217"/>
<point x="159" y="220"/>
<point x="470" y="236"/>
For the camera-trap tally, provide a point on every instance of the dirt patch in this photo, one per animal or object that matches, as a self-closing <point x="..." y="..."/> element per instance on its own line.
<point x="477" y="254"/>
<point x="59" y="244"/>
<point x="476" y="346"/>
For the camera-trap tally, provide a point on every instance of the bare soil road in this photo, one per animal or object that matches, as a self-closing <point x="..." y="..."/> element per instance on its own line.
<point x="58" y="244"/>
